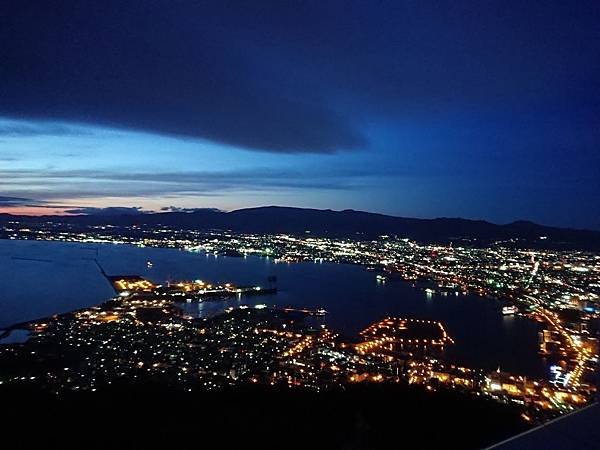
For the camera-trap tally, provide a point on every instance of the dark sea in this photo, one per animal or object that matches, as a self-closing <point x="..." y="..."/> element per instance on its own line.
<point x="42" y="278"/>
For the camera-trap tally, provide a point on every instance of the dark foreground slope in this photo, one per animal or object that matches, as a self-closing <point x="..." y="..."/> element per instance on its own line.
<point x="575" y="431"/>
<point x="370" y="417"/>
<point x="348" y="223"/>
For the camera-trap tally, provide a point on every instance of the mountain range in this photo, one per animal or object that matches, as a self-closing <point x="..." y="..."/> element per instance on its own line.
<point x="347" y="223"/>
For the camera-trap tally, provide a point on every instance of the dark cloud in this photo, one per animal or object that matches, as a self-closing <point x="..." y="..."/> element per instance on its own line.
<point x="108" y="211"/>
<point x="74" y="184"/>
<point x="10" y="202"/>
<point x="25" y="129"/>
<point x="15" y="201"/>
<point x="182" y="69"/>
<point x="291" y="76"/>
<point x="187" y="210"/>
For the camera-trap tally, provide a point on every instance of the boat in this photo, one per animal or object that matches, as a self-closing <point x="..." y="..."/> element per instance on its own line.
<point x="149" y="264"/>
<point x="509" y="310"/>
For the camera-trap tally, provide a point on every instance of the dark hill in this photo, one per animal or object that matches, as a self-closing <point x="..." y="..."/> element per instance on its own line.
<point x="347" y="223"/>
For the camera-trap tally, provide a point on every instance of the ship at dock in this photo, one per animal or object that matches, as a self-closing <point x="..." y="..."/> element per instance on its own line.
<point x="509" y="310"/>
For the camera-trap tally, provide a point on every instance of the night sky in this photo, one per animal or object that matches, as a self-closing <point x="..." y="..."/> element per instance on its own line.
<point x="485" y="110"/>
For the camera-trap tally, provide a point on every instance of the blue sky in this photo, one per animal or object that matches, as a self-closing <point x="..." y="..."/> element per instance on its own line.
<point x="73" y="165"/>
<point x="486" y="110"/>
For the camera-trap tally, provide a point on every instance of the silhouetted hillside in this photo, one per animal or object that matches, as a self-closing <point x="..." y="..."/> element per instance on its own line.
<point x="347" y="223"/>
<point x="138" y="415"/>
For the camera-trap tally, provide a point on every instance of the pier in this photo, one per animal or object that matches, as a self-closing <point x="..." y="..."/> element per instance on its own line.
<point x="311" y="312"/>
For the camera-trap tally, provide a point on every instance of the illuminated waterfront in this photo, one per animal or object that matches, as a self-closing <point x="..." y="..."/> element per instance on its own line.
<point x="351" y="295"/>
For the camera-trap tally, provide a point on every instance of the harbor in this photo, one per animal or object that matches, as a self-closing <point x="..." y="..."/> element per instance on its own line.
<point x="197" y="290"/>
<point x="483" y="337"/>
